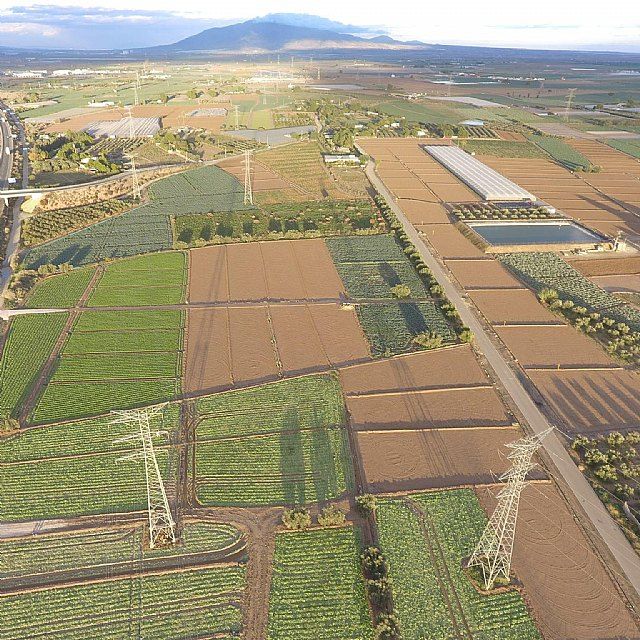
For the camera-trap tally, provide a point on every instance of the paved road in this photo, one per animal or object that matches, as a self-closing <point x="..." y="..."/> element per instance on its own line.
<point x="560" y="459"/>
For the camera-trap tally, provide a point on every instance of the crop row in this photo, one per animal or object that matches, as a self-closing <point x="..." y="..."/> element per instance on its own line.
<point x="562" y="152"/>
<point x="381" y="248"/>
<point x="60" y="291"/>
<point x="29" y="342"/>
<point x="94" y="548"/>
<point x="425" y="538"/>
<point x="317" y="587"/>
<point x="194" y="603"/>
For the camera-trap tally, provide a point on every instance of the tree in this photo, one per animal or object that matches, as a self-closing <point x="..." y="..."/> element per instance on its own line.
<point x="331" y="516"/>
<point x="343" y="138"/>
<point x="366" y="504"/>
<point x="296" y="519"/>
<point x="192" y="94"/>
<point x="401" y="291"/>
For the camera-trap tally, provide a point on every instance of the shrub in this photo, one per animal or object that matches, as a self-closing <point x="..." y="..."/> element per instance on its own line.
<point x="388" y="628"/>
<point x="428" y="340"/>
<point x="374" y="563"/>
<point x="296" y="519"/>
<point x="366" y="504"/>
<point x="401" y="291"/>
<point x="331" y="516"/>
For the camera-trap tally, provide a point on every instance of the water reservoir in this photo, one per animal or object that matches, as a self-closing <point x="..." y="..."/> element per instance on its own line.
<point x="535" y="233"/>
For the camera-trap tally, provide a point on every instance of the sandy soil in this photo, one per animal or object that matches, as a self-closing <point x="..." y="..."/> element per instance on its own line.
<point x="553" y="346"/>
<point x="591" y="401"/>
<point x="319" y="275"/>
<point x="455" y="367"/>
<point x="449" y="242"/>
<point x="512" y="306"/>
<point x="481" y="274"/>
<point x="435" y="458"/>
<point x="247" y="279"/>
<point x="618" y="284"/>
<point x="424" y="409"/>
<point x="607" y="266"/>
<point x="424" y="212"/>
<point x="454" y="192"/>
<point x="571" y="594"/>
<point x="284" y="280"/>
<point x="208" y="279"/>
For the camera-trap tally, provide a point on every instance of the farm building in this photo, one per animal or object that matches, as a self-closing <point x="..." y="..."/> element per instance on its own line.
<point x="124" y="128"/>
<point x="489" y="184"/>
<point x="341" y="158"/>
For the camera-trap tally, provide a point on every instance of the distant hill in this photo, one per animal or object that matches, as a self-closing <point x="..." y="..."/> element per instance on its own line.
<point x="258" y="36"/>
<point x="317" y="22"/>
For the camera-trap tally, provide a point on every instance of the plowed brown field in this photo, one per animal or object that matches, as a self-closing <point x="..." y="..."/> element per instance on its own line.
<point x="571" y="594"/>
<point x="607" y="266"/>
<point x="483" y="274"/>
<point x="424" y="212"/>
<point x="553" y="346"/>
<point x="435" y="458"/>
<point x="449" y="242"/>
<point x="469" y="407"/>
<point x="517" y="306"/>
<point x="591" y="401"/>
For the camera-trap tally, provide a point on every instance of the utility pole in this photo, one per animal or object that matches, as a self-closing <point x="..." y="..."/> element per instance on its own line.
<point x="134" y="171"/>
<point x="572" y="93"/>
<point x="248" y="191"/>
<point x="235" y="108"/>
<point x="495" y="547"/>
<point x="161" y="523"/>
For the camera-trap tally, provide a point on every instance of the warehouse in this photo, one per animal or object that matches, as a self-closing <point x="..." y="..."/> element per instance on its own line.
<point x="486" y="182"/>
<point x="124" y="128"/>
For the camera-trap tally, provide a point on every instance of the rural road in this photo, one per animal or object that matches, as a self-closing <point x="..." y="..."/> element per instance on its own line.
<point x="562" y="463"/>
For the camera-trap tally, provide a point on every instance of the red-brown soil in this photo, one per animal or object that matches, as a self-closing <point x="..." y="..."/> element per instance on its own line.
<point x="517" y="306"/>
<point x="420" y="212"/>
<point x="566" y="585"/>
<point x="427" y="459"/>
<point x="247" y="278"/>
<point x="483" y="274"/>
<point x="607" y="266"/>
<point x="449" y="242"/>
<point x="618" y="284"/>
<point x="208" y="279"/>
<point x="591" y="401"/>
<point x="553" y="346"/>
<point x="470" y="407"/>
<point x="455" y="367"/>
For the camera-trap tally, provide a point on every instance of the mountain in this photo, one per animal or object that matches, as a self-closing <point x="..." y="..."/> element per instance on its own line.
<point x="318" y="22"/>
<point x="256" y="36"/>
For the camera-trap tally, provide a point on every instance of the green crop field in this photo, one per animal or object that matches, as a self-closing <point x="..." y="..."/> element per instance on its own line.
<point x="420" y="112"/>
<point x="562" y="152"/>
<point x="390" y="327"/>
<point x="29" y="343"/>
<point x="317" y="588"/>
<point x="156" y="279"/>
<point x="289" y="220"/>
<point x="193" y="603"/>
<point x="100" y="548"/>
<point x="146" y="228"/>
<point x="375" y="278"/>
<point x="549" y="271"/>
<point x="82" y="458"/>
<point x="281" y="443"/>
<point x="630" y="147"/>
<point x="114" y="359"/>
<point x="425" y="537"/>
<point x="502" y="148"/>
<point x="60" y="291"/>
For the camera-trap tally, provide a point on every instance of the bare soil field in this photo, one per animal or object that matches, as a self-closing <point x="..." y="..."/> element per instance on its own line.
<point x="517" y="306"/>
<point x="424" y="212"/>
<point x="415" y="460"/>
<point x="279" y="270"/>
<point x="607" y="266"/>
<point x="449" y="242"/>
<point x="566" y="585"/>
<point x="591" y="401"/>
<point x="482" y="274"/>
<point x="441" y="368"/>
<point x="454" y="192"/>
<point x="618" y="284"/>
<point x="470" y="407"/>
<point x="611" y="160"/>
<point x="553" y="346"/>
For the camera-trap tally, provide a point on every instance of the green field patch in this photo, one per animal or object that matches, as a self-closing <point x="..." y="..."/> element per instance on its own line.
<point x="562" y="152"/>
<point x="425" y="538"/>
<point x="196" y="603"/>
<point x="99" y="548"/>
<point x="630" y="147"/>
<point x="282" y="443"/>
<point x="128" y="320"/>
<point x="420" y="112"/>
<point x="29" y="343"/>
<point x="317" y="587"/>
<point x="123" y="341"/>
<point x="60" y="291"/>
<point x="502" y="148"/>
<point x="136" y="296"/>
<point x="391" y="326"/>
<point x="381" y="248"/>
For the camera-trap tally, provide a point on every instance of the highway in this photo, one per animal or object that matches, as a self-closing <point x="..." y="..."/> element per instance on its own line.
<point x="561" y="465"/>
<point x="15" y="146"/>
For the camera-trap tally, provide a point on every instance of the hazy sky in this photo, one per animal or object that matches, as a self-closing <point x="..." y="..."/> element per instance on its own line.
<point x="562" y="24"/>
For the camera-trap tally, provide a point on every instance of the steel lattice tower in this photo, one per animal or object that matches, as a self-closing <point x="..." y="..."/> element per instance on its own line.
<point x="495" y="547"/>
<point x="161" y="523"/>
<point x="248" y="191"/>
<point x="136" y="183"/>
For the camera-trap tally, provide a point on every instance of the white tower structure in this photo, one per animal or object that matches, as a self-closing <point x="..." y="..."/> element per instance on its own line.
<point x="134" y="170"/>
<point x="248" y="190"/>
<point x="494" y="549"/>
<point x="161" y="523"/>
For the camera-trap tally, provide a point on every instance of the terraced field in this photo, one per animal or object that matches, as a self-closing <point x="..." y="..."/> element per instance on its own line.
<point x="114" y="359"/>
<point x="425" y="537"/>
<point x="317" y="587"/>
<point x="281" y="443"/>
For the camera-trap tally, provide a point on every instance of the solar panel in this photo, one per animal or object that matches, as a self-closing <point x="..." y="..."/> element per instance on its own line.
<point x="482" y="179"/>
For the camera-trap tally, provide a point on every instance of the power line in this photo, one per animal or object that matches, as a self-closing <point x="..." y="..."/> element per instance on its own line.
<point x="495" y="548"/>
<point x="161" y="523"/>
<point x="248" y="190"/>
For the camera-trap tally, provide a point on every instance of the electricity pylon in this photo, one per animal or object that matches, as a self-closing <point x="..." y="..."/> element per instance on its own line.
<point x="248" y="191"/>
<point x="572" y="92"/>
<point x="161" y="523"/>
<point x="495" y="547"/>
<point x="134" y="171"/>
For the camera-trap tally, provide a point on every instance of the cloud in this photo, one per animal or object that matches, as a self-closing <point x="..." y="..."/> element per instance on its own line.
<point x="25" y="28"/>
